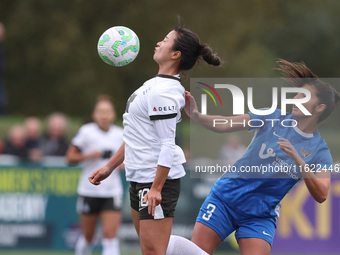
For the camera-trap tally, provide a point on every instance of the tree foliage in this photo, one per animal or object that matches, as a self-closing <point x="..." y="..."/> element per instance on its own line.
<point x="52" y="61"/>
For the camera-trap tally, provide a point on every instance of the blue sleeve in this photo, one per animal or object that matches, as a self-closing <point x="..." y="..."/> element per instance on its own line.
<point x="323" y="158"/>
<point x="260" y="120"/>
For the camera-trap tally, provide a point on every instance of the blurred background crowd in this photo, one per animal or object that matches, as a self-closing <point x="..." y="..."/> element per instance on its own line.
<point x="29" y="143"/>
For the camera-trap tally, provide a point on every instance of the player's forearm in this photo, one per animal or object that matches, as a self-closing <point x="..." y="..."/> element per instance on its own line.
<point x="317" y="186"/>
<point x="75" y="158"/>
<point x="117" y="159"/>
<point x="207" y="121"/>
<point x="161" y="175"/>
<point x="73" y="155"/>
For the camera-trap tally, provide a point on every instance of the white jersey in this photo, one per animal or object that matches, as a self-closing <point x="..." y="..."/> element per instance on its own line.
<point x="149" y="111"/>
<point x="91" y="138"/>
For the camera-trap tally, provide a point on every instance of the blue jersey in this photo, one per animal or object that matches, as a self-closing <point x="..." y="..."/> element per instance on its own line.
<point x="265" y="174"/>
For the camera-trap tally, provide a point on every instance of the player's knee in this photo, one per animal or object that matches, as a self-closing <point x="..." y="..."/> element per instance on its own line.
<point x="109" y="233"/>
<point x="204" y="245"/>
<point x="152" y="250"/>
<point x="89" y="237"/>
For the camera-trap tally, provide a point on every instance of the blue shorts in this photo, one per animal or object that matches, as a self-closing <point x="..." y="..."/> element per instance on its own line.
<point x="224" y="220"/>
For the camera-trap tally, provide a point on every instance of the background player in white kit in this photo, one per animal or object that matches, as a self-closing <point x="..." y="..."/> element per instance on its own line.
<point x="94" y="145"/>
<point x="153" y="162"/>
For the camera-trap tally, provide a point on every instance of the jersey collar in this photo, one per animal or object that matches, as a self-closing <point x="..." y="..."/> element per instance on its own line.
<point x="299" y="131"/>
<point x="176" y="77"/>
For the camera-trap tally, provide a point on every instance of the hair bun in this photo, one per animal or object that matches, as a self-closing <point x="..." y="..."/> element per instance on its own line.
<point x="208" y="55"/>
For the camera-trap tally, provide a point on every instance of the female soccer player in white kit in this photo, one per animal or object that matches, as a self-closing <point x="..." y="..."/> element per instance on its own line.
<point x="152" y="161"/>
<point x="93" y="145"/>
<point x="250" y="206"/>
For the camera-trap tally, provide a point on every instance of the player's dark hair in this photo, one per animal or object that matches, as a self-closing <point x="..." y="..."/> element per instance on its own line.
<point x="104" y="98"/>
<point x="299" y="74"/>
<point x="188" y="43"/>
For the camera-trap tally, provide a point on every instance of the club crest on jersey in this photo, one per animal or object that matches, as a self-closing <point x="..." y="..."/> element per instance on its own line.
<point x="305" y="153"/>
<point x="263" y="154"/>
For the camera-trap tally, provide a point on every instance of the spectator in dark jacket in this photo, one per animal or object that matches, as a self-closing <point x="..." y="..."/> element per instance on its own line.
<point x="33" y="129"/>
<point x="16" y="143"/>
<point x="54" y="142"/>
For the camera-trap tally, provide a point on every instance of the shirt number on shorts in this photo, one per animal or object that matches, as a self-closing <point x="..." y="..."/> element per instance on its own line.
<point x="211" y="208"/>
<point x="141" y="195"/>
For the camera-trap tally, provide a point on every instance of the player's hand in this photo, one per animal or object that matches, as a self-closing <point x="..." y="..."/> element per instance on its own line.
<point x="190" y="107"/>
<point x="97" y="176"/>
<point x="154" y="198"/>
<point x="288" y="148"/>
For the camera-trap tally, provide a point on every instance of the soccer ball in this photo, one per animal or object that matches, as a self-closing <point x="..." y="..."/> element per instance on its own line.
<point x="118" y="46"/>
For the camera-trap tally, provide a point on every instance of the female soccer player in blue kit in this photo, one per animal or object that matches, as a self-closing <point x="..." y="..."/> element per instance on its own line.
<point x="251" y="205"/>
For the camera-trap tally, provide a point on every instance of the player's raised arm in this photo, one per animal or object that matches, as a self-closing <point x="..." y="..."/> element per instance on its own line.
<point x="218" y="124"/>
<point x="317" y="182"/>
<point x="317" y="185"/>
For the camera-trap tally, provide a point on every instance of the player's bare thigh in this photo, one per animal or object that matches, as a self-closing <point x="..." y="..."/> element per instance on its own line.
<point x="154" y="235"/>
<point x="88" y="225"/>
<point x="254" y="246"/>
<point x="110" y="223"/>
<point x="205" y="237"/>
<point x="135" y="219"/>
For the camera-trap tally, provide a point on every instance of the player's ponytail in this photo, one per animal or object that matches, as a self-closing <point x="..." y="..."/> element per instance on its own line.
<point x="208" y="55"/>
<point x="298" y="74"/>
<point x="188" y="43"/>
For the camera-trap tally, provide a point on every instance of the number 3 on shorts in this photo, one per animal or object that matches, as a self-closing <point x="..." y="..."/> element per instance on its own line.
<point x="211" y="208"/>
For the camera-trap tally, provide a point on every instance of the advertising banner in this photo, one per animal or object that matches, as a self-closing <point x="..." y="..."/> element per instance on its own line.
<point x="37" y="207"/>
<point x="305" y="226"/>
<point x="37" y="211"/>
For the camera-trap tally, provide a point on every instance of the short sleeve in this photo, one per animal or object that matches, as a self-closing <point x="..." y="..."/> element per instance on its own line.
<point x="79" y="139"/>
<point x="165" y="104"/>
<point x="324" y="158"/>
<point x="260" y="120"/>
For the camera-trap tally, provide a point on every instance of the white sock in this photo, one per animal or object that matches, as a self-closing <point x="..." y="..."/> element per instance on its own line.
<point x="83" y="247"/>
<point x="110" y="246"/>
<point x="181" y="246"/>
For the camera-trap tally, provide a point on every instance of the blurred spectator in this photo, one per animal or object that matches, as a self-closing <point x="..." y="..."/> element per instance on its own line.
<point x="16" y="143"/>
<point x="33" y="130"/>
<point x="233" y="149"/>
<point x="3" y="97"/>
<point x="54" y="142"/>
<point x="1" y="146"/>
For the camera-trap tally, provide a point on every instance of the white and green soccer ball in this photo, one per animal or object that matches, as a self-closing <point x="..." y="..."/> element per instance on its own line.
<point x="118" y="46"/>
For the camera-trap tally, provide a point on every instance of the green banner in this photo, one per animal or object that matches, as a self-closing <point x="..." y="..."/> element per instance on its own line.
<point x="37" y="207"/>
